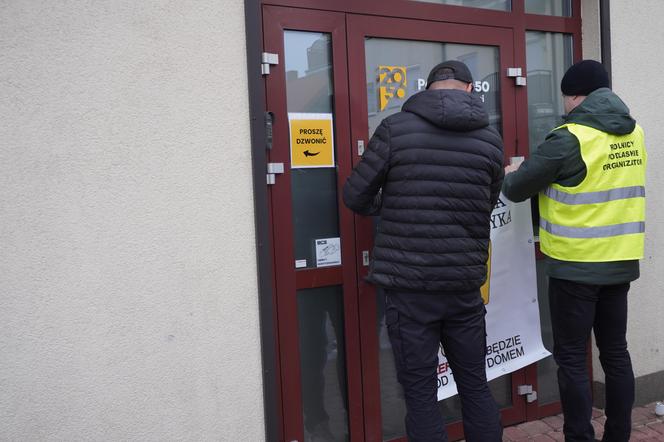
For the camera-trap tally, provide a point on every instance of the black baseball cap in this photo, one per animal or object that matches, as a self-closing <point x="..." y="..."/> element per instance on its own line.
<point x="459" y="71"/>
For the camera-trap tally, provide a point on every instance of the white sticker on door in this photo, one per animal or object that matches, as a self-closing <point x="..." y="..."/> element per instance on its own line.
<point x="328" y="252"/>
<point x="300" y="263"/>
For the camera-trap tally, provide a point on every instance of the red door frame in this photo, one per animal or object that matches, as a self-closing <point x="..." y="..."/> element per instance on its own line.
<point x="329" y="16"/>
<point x="424" y="10"/>
<point x="360" y="27"/>
<point x="287" y="279"/>
<point x="516" y="19"/>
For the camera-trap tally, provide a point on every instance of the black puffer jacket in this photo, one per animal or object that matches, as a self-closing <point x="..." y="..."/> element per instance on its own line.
<point x="440" y="168"/>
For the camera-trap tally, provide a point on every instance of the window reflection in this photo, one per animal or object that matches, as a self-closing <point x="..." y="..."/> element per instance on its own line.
<point x="309" y="89"/>
<point x="323" y="364"/>
<point x="499" y="5"/>
<point x="547" y="370"/>
<point x="398" y="69"/>
<point x="548" y="55"/>
<point x="549" y="7"/>
<point x="308" y="71"/>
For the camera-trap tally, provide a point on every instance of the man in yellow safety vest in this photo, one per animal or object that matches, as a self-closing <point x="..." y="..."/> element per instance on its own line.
<point x="589" y="174"/>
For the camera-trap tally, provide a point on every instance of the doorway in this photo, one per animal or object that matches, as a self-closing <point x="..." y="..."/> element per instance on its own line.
<point x="337" y="75"/>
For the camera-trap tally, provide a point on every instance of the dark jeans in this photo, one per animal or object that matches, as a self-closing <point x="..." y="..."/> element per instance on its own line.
<point x="577" y="308"/>
<point x="417" y="324"/>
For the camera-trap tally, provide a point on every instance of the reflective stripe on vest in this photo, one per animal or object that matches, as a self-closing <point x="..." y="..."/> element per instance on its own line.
<point x="602" y="218"/>
<point x="595" y="197"/>
<point x="593" y="232"/>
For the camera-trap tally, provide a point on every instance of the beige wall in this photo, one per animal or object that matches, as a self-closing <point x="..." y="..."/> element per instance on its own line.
<point x="636" y="33"/>
<point x="636" y="37"/>
<point x="127" y="252"/>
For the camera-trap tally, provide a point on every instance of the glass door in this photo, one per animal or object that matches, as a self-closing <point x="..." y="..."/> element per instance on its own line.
<point x="548" y="56"/>
<point x="313" y="236"/>
<point x="335" y="76"/>
<point x="389" y="61"/>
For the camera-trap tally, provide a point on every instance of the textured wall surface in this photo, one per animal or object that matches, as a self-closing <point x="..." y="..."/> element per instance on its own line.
<point x="636" y="36"/>
<point x="127" y="251"/>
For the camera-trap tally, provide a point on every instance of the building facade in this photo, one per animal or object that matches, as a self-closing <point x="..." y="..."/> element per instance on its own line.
<point x="171" y="269"/>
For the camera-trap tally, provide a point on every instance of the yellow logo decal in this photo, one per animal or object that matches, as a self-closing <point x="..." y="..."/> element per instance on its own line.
<point x="392" y="81"/>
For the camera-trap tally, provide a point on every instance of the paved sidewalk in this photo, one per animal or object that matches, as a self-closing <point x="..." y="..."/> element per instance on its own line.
<point x="646" y="426"/>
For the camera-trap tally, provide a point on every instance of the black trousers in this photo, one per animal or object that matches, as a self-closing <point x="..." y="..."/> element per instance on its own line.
<point x="576" y="309"/>
<point x="417" y="324"/>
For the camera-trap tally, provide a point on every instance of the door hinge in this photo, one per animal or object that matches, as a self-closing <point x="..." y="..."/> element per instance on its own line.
<point x="365" y="258"/>
<point x="268" y="59"/>
<point x="272" y="170"/>
<point x="517" y="74"/>
<point x="528" y="392"/>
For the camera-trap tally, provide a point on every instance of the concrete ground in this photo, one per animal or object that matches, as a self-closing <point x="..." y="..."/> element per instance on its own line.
<point x="646" y="426"/>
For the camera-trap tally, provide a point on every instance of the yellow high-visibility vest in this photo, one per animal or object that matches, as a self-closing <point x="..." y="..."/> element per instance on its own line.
<point x="603" y="218"/>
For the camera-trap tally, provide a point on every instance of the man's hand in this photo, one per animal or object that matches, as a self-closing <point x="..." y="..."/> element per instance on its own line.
<point x="511" y="168"/>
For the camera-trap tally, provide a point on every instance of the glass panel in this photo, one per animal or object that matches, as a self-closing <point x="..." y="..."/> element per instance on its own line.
<point x="501" y="388"/>
<point x="548" y="55"/>
<point x="392" y="402"/>
<point x="550" y="7"/>
<point x="499" y="5"/>
<point x="547" y="383"/>
<point x="398" y="69"/>
<point x="323" y="363"/>
<point x="308" y="61"/>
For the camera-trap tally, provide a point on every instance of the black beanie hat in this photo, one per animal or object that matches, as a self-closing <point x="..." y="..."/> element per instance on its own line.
<point x="450" y="70"/>
<point x="584" y="77"/>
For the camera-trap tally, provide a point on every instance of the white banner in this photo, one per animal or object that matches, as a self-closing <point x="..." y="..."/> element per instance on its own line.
<point x="514" y="337"/>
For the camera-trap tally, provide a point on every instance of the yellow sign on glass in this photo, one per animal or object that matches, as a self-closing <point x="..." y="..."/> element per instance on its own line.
<point x="311" y="140"/>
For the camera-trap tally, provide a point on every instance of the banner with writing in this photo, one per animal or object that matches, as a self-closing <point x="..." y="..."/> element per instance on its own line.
<point x="514" y="337"/>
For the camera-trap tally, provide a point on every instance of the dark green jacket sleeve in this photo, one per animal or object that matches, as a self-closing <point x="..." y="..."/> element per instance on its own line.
<point x="556" y="160"/>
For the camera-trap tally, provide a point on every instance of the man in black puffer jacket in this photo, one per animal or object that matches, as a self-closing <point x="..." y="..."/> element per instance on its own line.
<point x="433" y="173"/>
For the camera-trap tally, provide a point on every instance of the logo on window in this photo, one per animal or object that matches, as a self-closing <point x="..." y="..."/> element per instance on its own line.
<point x="392" y="81"/>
